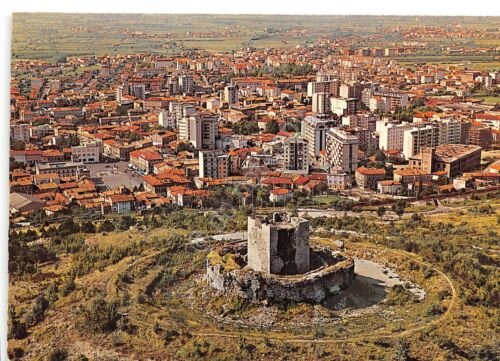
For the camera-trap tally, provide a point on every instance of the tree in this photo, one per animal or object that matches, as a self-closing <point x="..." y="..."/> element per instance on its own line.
<point x="13" y="164"/>
<point x="101" y="315"/>
<point x="18" y="145"/>
<point x="17" y="329"/>
<point x="68" y="227"/>
<point x="245" y="127"/>
<point x="106" y="226"/>
<point x="381" y="211"/>
<point x="125" y="222"/>
<point x="272" y="127"/>
<point x="88" y="227"/>
<point x="399" y="208"/>
<point x="262" y="195"/>
<point x="182" y="147"/>
<point x="380" y="156"/>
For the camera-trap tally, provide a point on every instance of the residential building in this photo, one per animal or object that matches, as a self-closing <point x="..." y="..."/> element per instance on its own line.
<point x="87" y="153"/>
<point x="144" y="160"/>
<point x="418" y="138"/>
<point x="391" y="187"/>
<point x="231" y="94"/>
<point x="213" y="164"/>
<point x="391" y="134"/>
<point x="20" y="132"/>
<point x="344" y="106"/>
<point x="369" y="177"/>
<point x="314" y="131"/>
<point x="321" y="103"/>
<point x="203" y="130"/>
<point x="295" y="153"/>
<point x="338" y="179"/>
<point x="342" y="149"/>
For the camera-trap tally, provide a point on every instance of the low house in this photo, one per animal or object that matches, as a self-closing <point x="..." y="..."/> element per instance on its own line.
<point x="368" y="177"/>
<point x="120" y="203"/>
<point x="389" y="187"/>
<point x="280" y="195"/>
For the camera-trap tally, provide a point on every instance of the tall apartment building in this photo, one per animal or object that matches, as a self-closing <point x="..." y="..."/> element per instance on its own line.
<point x="213" y="164"/>
<point x="200" y="129"/>
<point x="453" y="131"/>
<point x="138" y="90"/>
<point x="351" y="90"/>
<point x="365" y="120"/>
<point x="416" y="139"/>
<point x="166" y="119"/>
<point x="342" y="149"/>
<point x="314" y="132"/>
<point x="391" y="134"/>
<point x="344" y="106"/>
<point x="320" y="103"/>
<point x="20" y="132"/>
<point x="231" y="94"/>
<point x="181" y="113"/>
<point x="391" y="98"/>
<point x="480" y="135"/>
<point x="295" y="151"/>
<point x="330" y="87"/>
<point x="186" y="84"/>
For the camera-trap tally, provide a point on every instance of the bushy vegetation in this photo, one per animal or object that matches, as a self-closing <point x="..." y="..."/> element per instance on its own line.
<point x="100" y="316"/>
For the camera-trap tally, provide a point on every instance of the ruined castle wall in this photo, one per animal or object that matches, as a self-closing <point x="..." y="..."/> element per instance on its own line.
<point x="312" y="287"/>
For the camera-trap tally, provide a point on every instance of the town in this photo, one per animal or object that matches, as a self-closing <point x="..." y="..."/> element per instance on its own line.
<point x="140" y="130"/>
<point x="254" y="188"/>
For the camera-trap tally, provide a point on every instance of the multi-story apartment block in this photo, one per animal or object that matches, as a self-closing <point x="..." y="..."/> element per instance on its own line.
<point x="331" y="88"/>
<point x="203" y="130"/>
<point x="453" y="131"/>
<point x="41" y="131"/>
<point x="144" y="160"/>
<point x="321" y="103"/>
<point x="480" y="135"/>
<point x="186" y="84"/>
<point x="314" y="132"/>
<point x="20" y="132"/>
<point x="369" y="177"/>
<point x="416" y="139"/>
<point x="213" y="164"/>
<point x="391" y="134"/>
<point x="231" y="94"/>
<point x="364" y="120"/>
<point x="295" y="154"/>
<point x="392" y="98"/>
<point x="181" y="113"/>
<point x="344" y="106"/>
<point x="342" y="149"/>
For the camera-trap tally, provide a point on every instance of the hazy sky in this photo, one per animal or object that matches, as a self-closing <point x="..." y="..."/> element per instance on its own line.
<point x="318" y="7"/>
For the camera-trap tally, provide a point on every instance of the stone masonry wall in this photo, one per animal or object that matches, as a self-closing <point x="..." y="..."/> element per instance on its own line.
<point x="313" y="287"/>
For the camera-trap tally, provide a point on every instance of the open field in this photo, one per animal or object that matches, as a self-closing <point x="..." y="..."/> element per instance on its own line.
<point x="51" y="36"/>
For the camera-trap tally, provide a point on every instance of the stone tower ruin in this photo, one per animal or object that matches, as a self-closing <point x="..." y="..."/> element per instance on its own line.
<point x="278" y="245"/>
